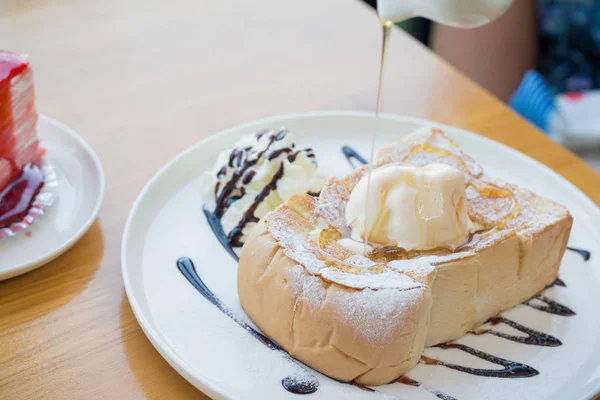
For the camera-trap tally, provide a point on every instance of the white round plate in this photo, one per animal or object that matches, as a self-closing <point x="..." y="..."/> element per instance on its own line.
<point x="80" y="194"/>
<point x="220" y="358"/>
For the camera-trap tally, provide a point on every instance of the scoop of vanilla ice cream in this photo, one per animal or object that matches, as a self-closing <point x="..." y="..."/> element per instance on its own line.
<point x="415" y="208"/>
<point x="267" y="152"/>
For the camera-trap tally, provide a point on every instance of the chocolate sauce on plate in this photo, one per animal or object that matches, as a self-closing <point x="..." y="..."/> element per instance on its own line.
<point x="533" y="337"/>
<point x="411" y="382"/>
<point x="17" y="198"/>
<point x="296" y="386"/>
<point x="511" y="369"/>
<point x="550" y="306"/>
<point x="352" y="154"/>
<point x="583" y="253"/>
<point x="557" y="282"/>
<point x="217" y="228"/>
<point x="306" y="383"/>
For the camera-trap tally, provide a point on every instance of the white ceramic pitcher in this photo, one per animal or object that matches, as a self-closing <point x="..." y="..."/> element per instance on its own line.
<point x="457" y="13"/>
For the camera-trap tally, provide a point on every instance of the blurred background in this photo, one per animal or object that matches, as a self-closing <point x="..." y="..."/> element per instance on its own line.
<point x="542" y="58"/>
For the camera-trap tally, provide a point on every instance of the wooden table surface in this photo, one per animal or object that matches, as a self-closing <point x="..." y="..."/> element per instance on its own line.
<point x="141" y="80"/>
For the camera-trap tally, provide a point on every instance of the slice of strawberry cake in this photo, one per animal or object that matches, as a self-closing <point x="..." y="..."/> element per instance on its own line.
<point x="19" y="144"/>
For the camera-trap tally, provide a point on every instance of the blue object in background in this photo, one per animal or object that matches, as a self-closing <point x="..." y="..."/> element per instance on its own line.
<point x="534" y="100"/>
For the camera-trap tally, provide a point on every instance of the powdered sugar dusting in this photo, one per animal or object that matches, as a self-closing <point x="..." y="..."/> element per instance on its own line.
<point x="306" y="287"/>
<point x="359" y="261"/>
<point x="386" y="280"/>
<point x="296" y="244"/>
<point x="536" y="212"/>
<point x="377" y="314"/>
<point x="418" y="267"/>
<point x="332" y="204"/>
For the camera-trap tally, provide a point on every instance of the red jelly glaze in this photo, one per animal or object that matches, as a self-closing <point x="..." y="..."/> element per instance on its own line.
<point x="10" y="65"/>
<point x="16" y="199"/>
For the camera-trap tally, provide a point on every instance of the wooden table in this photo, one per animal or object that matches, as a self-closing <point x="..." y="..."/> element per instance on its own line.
<point x="141" y="80"/>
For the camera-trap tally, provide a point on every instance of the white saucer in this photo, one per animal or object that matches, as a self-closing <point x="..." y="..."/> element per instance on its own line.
<point x="81" y="190"/>
<point x="219" y="357"/>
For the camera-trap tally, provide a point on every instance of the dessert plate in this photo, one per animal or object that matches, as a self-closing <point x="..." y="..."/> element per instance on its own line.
<point x="199" y="327"/>
<point x="80" y="194"/>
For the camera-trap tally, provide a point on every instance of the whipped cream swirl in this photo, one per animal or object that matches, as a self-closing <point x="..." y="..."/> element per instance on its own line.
<point x="262" y="171"/>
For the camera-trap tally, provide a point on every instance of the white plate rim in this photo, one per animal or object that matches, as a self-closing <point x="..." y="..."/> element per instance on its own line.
<point x="164" y="350"/>
<point x="47" y="257"/>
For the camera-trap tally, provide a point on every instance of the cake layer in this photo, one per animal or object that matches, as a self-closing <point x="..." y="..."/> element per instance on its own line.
<point x="18" y="118"/>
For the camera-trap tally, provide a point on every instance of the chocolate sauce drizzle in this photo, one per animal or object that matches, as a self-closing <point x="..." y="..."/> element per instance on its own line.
<point x="557" y="282"/>
<point x="511" y="369"/>
<point x="583" y="253"/>
<point x="411" y="382"/>
<point x="232" y="191"/>
<point x="237" y="158"/>
<point x="535" y="338"/>
<point x="188" y="269"/>
<point x="305" y="384"/>
<point x="358" y="385"/>
<point x="217" y="228"/>
<point x="236" y="234"/>
<point x="550" y="306"/>
<point x="352" y="154"/>
<point x="299" y="386"/>
<point x="248" y="177"/>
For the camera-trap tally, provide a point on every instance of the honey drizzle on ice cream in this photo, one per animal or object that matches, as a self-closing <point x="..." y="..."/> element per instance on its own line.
<point x="351" y="154"/>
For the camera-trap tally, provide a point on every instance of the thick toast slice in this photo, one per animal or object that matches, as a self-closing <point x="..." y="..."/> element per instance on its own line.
<point x="516" y="252"/>
<point x="368" y="318"/>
